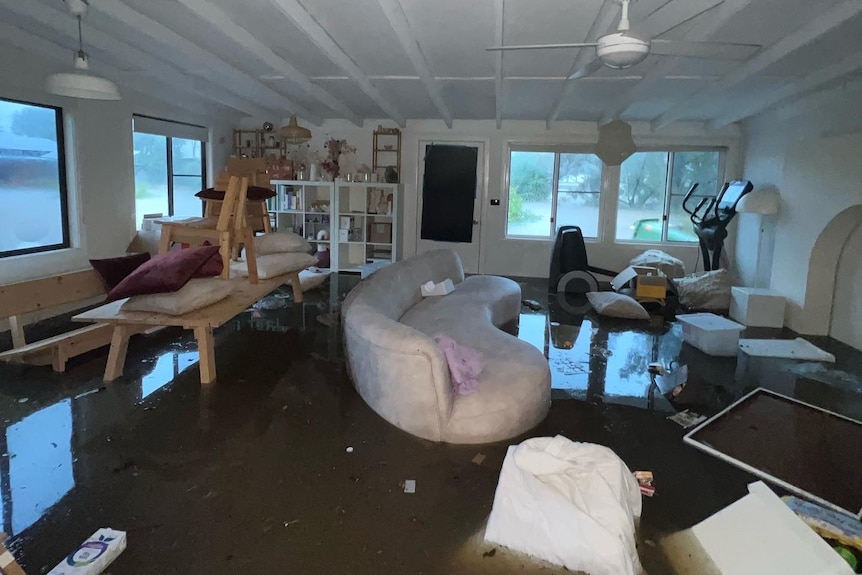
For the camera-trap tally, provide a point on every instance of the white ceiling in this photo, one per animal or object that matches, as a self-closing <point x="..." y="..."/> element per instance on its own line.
<point x="423" y="59"/>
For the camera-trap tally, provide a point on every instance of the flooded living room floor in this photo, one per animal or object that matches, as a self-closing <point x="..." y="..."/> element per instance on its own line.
<point x="253" y="474"/>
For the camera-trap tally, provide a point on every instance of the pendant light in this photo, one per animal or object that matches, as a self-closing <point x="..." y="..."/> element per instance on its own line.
<point x="80" y="83"/>
<point x="294" y="133"/>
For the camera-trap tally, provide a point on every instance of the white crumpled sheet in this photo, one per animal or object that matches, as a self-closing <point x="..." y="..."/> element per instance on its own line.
<point x="572" y="504"/>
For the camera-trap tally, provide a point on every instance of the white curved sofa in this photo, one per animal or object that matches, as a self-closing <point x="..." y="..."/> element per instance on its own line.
<point x="401" y="373"/>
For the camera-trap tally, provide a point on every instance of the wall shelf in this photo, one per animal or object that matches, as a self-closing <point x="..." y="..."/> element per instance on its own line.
<point x="342" y="209"/>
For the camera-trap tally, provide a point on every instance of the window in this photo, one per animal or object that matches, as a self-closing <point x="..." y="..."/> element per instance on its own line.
<point x="550" y="189"/>
<point x="652" y="187"/>
<point x="33" y="199"/>
<point x="169" y="169"/>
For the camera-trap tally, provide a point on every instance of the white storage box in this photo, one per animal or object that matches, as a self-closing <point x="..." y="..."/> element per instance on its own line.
<point x="756" y="307"/>
<point x="711" y="333"/>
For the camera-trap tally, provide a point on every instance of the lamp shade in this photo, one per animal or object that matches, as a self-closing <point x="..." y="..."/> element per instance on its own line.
<point x="81" y="84"/>
<point x="294" y="133"/>
<point x="615" y="143"/>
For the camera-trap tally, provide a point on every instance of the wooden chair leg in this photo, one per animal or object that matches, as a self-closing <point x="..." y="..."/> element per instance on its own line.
<point x="224" y="251"/>
<point x="165" y="239"/>
<point x="250" y="256"/>
<point x="297" y="287"/>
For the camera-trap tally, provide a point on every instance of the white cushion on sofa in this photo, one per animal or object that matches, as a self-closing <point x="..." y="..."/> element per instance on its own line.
<point x="616" y="305"/>
<point x="196" y="294"/>
<point x="272" y="265"/>
<point x="280" y="242"/>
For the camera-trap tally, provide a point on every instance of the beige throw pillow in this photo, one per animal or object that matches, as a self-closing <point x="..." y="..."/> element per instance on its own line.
<point x="614" y="304"/>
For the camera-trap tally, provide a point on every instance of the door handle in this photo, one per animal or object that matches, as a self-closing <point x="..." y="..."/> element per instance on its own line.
<point x="475" y="222"/>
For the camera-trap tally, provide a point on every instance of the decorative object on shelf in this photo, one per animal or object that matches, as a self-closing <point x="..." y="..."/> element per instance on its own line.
<point x="324" y="259"/>
<point x="294" y="134"/>
<point x="382" y="205"/>
<point x="386" y="153"/>
<point x="389" y="202"/>
<point x="390" y="175"/>
<point x="80" y="83"/>
<point x="335" y="149"/>
<point x="313" y="172"/>
<point x="268" y="127"/>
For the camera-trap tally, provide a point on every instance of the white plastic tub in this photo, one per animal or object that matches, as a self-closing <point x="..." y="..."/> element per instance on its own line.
<point x="711" y="333"/>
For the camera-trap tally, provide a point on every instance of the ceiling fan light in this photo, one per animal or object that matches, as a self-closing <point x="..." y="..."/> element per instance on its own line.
<point x="293" y="133"/>
<point x="81" y="84"/>
<point x="620" y="51"/>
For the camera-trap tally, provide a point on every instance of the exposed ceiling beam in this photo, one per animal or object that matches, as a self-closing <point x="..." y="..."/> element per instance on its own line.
<point x="703" y="29"/>
<point x="802" y="36"/>
<point x="31" y="43"/>
<point x="499" y="19"/>
<point x="222" y="22"/>
<point x="197" y="60"/>
<point x="401" y="26"/>
<point x="601" y="25"/>
<point x="814" y="101"/>
<point x="321" y="38"/>
<point x="60" y="21"/>
<point x="817" y="79"/>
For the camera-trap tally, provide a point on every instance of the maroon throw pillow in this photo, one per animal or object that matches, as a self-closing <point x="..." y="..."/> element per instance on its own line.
<point x="254" y="194"/>
<point x="212" y="267"/>
<point x="164" y="273"/>
<point x="114" y="270"/>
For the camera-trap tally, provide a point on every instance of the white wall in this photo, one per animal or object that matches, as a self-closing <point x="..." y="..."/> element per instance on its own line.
<point x="847" y="304"/>
<point x="510" y="256"/>
<point x="818" y="177"/>
<point x="99" y="162"/>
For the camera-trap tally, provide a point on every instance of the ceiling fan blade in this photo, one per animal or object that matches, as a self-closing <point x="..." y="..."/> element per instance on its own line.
<point x="541" y="46"/>
<point x="712" y="50"/>
<point x="587" y="70"/>
<point x="671" y="15"/>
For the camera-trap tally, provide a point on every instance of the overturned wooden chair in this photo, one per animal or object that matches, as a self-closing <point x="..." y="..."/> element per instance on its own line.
<point x="256" y="210"/>
<point x="230" y="229"/>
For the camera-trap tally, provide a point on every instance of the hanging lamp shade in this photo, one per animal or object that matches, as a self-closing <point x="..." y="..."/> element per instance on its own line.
<point x="81" y="84"/>
<point x="294" y="133"/>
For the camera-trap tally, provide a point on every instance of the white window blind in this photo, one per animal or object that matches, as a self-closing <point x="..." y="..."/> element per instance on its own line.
<point x="149" y="125"/>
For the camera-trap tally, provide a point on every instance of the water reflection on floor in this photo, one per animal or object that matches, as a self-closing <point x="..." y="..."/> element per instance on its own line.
<point x="80" y="454"/>
<point x="601" y="359"/>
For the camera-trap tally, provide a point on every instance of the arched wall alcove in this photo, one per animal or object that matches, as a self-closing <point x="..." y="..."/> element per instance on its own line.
<point x="822" y="270"/>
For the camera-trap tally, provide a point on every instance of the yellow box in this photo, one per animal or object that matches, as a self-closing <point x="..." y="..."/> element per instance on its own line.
<point x="651" y="285"/>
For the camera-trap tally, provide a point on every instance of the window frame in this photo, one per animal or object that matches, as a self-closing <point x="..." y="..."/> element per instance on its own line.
<point x="169" y="166"/>
<point x="63" y="184"/>
<point x="610" y="188"/>
<point x="557" y="150"/>
<point x="668" y="192"/>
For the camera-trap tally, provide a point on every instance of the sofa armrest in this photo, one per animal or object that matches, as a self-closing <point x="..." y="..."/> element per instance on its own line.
<point x="401" y="368"/>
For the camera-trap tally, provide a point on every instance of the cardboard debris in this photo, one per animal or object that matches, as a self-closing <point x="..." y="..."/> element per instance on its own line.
<point x="93" y="555"/>
<point x="479" y="459"/>
<point x="409" y="486"/>
<point x="8" y="565"/>
<point x="645" y="479"/>
<point x="686" y="419"/>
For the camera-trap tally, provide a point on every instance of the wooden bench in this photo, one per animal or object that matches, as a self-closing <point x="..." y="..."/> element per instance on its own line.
<point x="202" y="321"/>
<point x="21" y="298"/>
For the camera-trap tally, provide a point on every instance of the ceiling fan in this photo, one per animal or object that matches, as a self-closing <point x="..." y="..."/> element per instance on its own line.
<point x="622" y="49"/>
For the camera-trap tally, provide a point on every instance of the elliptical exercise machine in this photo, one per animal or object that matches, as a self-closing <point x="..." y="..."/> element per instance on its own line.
<point x="711" y="217"/>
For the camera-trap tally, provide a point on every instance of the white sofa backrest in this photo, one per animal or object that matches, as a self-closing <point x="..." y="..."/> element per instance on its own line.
<point x="394" y="289"/>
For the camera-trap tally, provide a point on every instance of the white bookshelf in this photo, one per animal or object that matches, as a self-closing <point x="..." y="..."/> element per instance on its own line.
<point x="362" y="218"/>
<point x="367" y="225"/>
